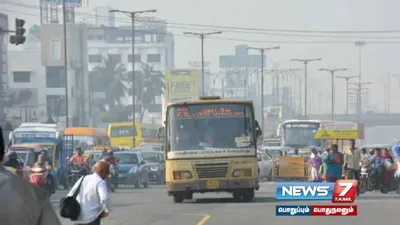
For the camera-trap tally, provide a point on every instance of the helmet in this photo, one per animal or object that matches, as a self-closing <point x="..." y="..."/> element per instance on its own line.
<point x="371" y="151"/>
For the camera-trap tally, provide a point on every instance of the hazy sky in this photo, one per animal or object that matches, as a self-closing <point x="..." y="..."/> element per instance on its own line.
<point x="349" y="15"/>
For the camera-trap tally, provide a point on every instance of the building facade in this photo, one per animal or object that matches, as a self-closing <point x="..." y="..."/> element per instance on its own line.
<point x="87" y="47"/>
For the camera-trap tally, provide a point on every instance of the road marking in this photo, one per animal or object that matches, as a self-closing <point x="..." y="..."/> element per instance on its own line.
<point x="204" y="219"/>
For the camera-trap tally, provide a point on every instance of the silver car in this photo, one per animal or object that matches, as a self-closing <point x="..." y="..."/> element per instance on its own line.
<point x="265" y="166"/>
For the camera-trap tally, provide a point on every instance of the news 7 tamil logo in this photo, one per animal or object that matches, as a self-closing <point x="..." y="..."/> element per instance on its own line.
<point x="342" y="191"/>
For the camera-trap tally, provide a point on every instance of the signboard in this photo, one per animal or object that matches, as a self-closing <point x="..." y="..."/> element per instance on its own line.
<point x="181" y="85"/>
<point x="302" y="125"/>
<point x="211" y="111"/>
<point x="211" y="153"/>
<point x="340" y="131"/>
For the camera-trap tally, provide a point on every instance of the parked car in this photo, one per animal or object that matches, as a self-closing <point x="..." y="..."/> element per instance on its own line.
<point x="264" y="165"/>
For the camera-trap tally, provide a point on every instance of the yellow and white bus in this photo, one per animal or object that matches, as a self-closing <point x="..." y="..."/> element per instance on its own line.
<point x="210" y="146"/>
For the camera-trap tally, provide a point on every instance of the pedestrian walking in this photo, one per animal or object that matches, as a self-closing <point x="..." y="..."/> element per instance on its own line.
<point x="22" y="203"/>
<point x="352" y="159"/>
<point x="93" y="196"/>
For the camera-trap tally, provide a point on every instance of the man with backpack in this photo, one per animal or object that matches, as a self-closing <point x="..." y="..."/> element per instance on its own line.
<point x="22" y="203"/>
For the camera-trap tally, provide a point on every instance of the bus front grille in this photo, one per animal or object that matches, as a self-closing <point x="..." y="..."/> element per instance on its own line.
<point x="212" y="172"/>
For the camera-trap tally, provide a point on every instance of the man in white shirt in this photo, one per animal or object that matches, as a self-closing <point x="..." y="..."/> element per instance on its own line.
<point x="93" y="196"/>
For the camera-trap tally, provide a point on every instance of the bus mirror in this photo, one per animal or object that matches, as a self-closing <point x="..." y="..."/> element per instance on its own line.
<point x="258" y="129"/>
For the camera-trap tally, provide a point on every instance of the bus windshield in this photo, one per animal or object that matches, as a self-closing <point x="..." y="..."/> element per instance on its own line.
<point x="123" y="131"/>
<point x="204" y="126"/>
<point x="299" y="135"/>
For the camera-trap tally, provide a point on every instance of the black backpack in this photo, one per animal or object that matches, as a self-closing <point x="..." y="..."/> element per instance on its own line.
<point x="69" y="206"/>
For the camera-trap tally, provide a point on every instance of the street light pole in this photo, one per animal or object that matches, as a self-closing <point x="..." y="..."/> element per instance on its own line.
<point x="332" y="72"/>
<point x="262" y="51"/>
<point x="132" y="15"/>
<point x="65" y="62"/>
<point x="359" y="96"/>
<point x="359" y="44"/>
<point x="202" y="36"/>
<point x="347" y="90"/>
<point x="305" y="61"/>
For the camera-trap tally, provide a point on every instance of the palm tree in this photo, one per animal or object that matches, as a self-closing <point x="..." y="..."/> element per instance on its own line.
<point x="109" y="78"/>
<point x="149" y="84"/>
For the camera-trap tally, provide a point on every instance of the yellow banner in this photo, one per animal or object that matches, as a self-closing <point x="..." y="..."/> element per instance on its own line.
<point x="291" y="166"/>
<point x="338" y="134"/>
<point x="181" y="85"/>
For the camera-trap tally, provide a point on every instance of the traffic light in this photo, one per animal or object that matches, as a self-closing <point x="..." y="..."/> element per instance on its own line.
<point x="19" y="37"/>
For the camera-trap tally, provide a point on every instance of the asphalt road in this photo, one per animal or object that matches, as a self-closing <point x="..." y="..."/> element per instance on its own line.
<point x="153" y="207"/>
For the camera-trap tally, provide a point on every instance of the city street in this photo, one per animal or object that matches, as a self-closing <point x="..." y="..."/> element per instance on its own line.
<point x="153" y="207"/>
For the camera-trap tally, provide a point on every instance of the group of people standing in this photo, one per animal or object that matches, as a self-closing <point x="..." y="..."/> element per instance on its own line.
<point x="332" y="165"/>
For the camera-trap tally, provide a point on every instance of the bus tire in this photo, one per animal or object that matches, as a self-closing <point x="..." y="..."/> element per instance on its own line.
<point x="178" y="198"/>
<point x="237" y="196"/>
<point x="248" y="195"/>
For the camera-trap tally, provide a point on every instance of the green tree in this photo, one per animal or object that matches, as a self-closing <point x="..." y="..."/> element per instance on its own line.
<point x="109" y="78"/>
<point x="148" y="85"/>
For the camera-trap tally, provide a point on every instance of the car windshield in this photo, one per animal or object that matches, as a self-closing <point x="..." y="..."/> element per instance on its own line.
<point x="151" y="157"/>
<point x="152" y="147"/>
<point x="127" y="158"/>
<point x="203" y="126"/>
<point x="301" y="134"/>
<point x="123" y="131"/>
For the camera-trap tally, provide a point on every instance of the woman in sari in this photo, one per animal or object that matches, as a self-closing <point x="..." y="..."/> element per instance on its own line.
<point x="316" y="163"/>
<point x="389" y="172"/>
<point x="333" y="163"/>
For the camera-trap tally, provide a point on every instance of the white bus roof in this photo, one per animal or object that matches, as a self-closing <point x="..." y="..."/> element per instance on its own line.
<point x="38" y="125"/>
<point x="305" y="121"/>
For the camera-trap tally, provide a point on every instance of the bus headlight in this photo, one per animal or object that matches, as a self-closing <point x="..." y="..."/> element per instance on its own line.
<point x="179" y="175"/>
<point x="242" y="173"/>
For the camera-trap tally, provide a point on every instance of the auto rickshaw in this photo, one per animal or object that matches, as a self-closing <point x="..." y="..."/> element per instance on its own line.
<point x="28" y="153"/>
<point x="32" y="150"/>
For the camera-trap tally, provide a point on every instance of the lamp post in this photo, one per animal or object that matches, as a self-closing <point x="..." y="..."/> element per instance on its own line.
<point x="360" y="45"/>
<point x="305" y="61"/>
<point x="262" y="51"/>
<point x="332" y="72"/>
<point x="347" y="79"/>
<point x="360" y="87"/>
<point x="132" y="15"/>
<point x="202" y="36"/>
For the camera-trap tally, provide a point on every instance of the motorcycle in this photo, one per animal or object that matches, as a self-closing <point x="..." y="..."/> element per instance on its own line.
<point x="38" y="176"/>
<point x="75" y="173"/>
<point x="111" y="179"/>
<point x="365" y="180"/>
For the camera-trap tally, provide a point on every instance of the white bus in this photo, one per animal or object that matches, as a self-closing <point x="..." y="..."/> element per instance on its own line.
<point x="300" y="134"/>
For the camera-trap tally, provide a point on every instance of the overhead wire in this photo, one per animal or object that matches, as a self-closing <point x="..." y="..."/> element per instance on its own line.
<point x="239" y="30"/>
<point x="247" y="28"/>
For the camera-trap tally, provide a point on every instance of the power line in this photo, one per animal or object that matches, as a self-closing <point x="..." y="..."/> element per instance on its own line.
<point x="232" y="28"/>
<point x="234" y="39"/>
